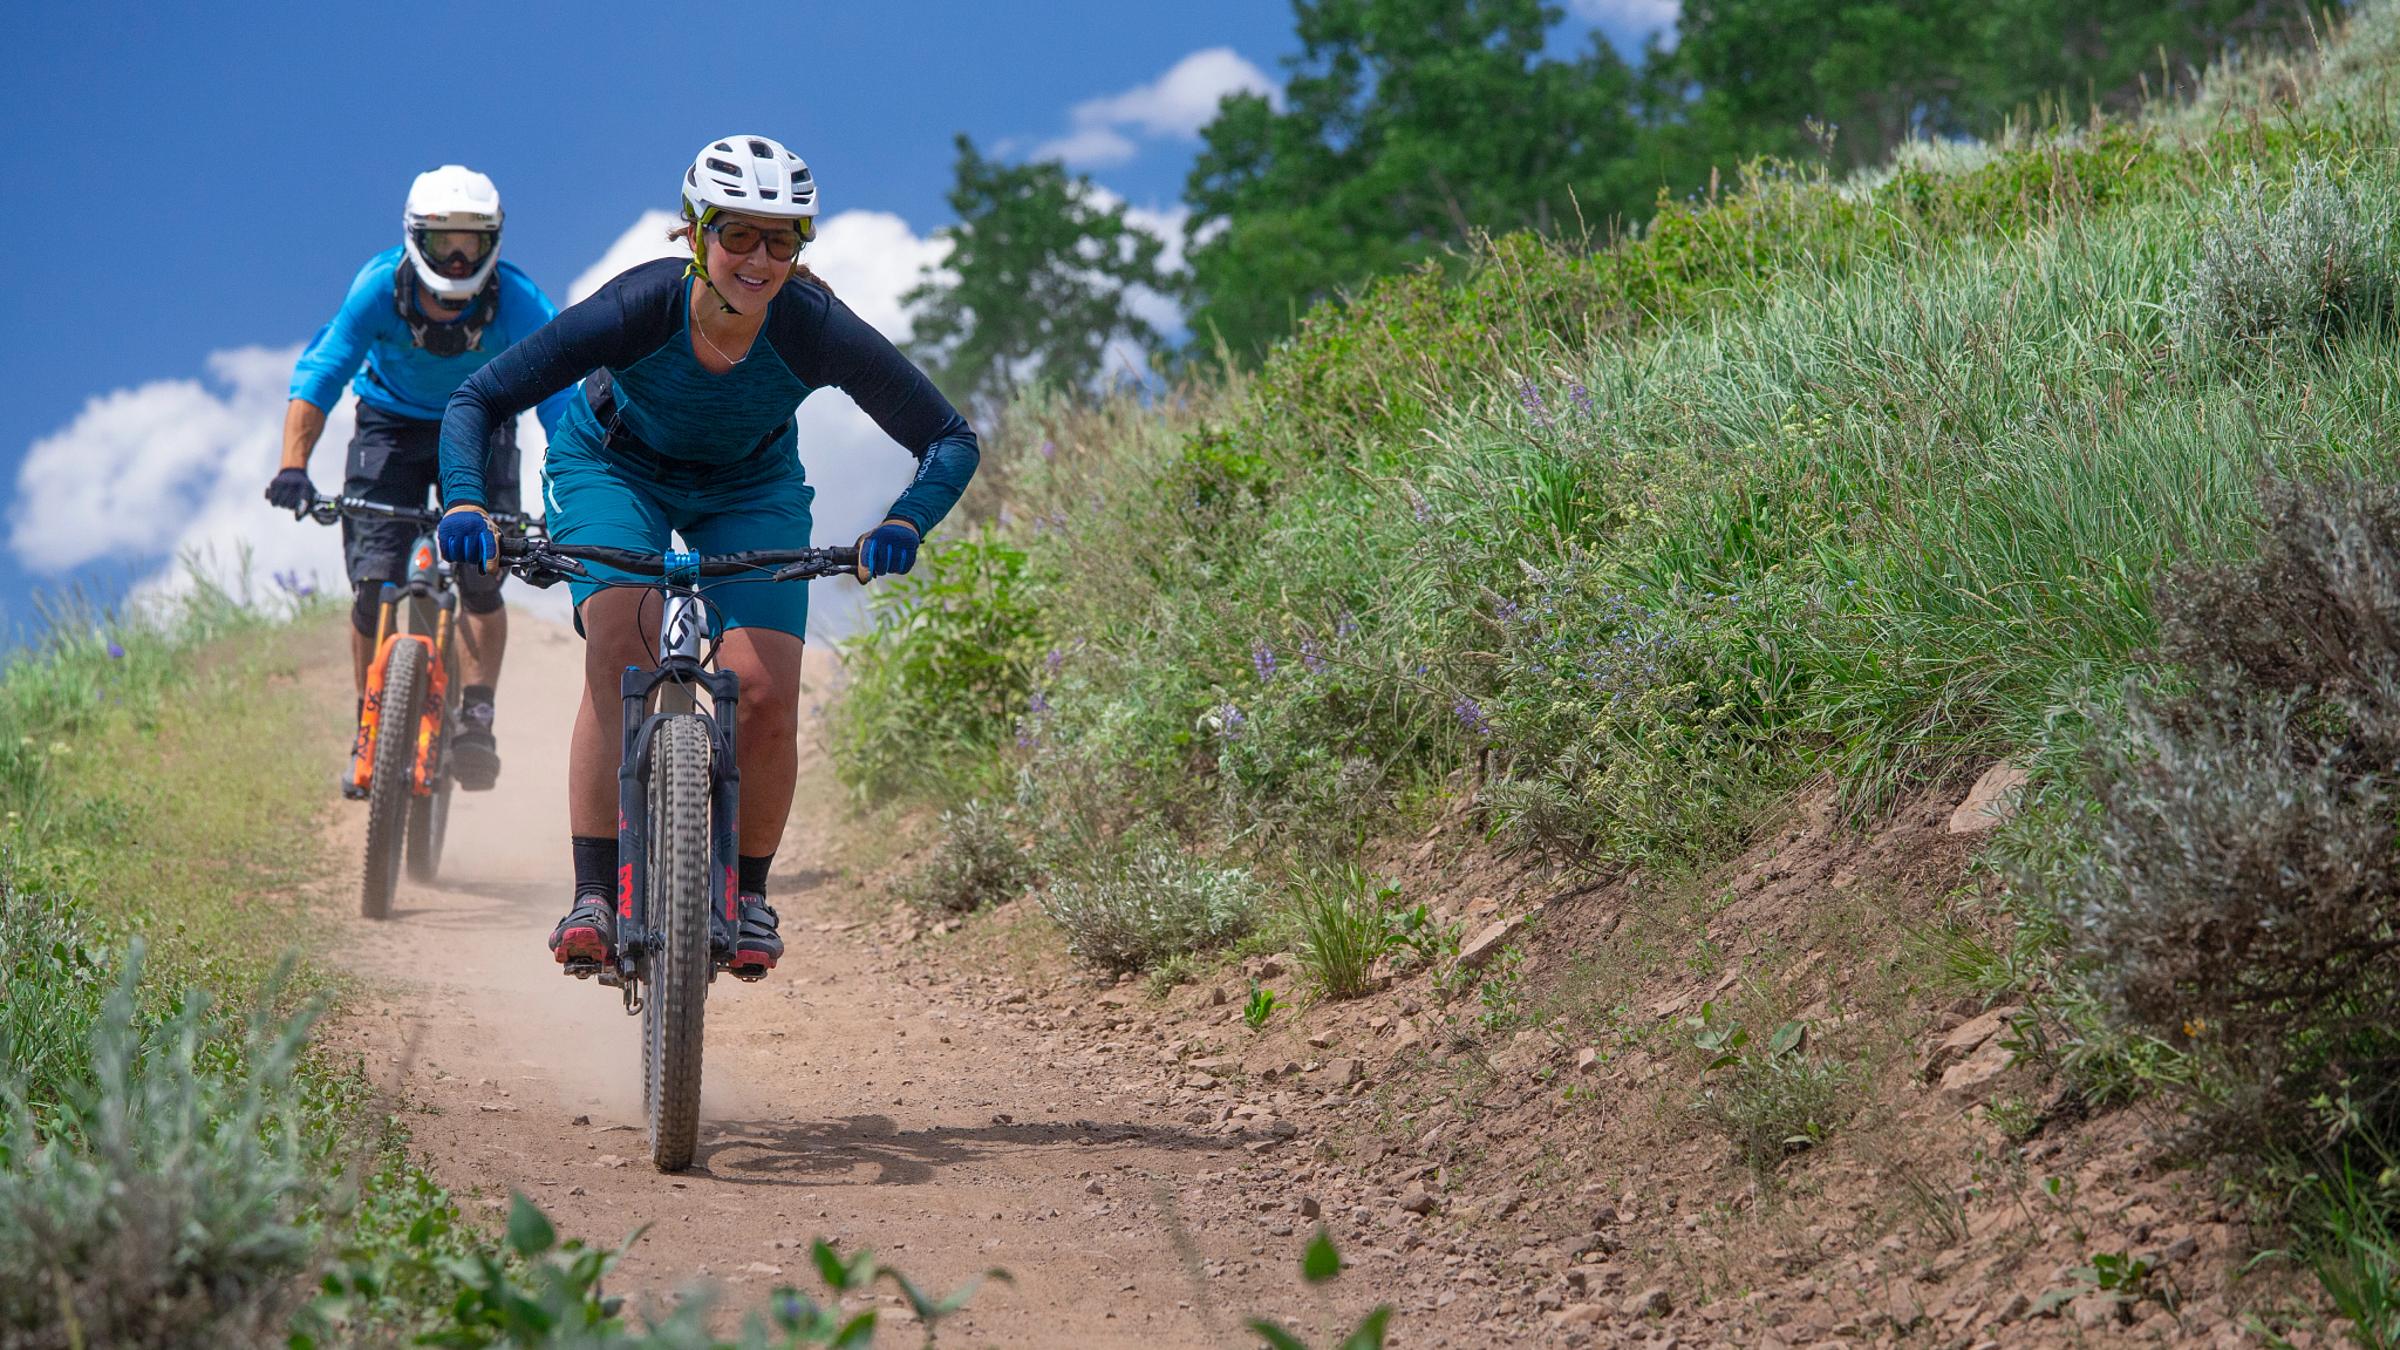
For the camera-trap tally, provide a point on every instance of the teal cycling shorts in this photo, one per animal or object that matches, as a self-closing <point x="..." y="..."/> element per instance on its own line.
<point x="592" y="497"/>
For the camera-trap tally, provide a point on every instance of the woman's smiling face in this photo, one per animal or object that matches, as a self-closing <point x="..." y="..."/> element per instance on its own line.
<point x="747" y="280"/>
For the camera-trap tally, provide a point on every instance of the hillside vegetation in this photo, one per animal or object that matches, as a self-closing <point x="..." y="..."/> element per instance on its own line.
<point x="1864" y="484"/>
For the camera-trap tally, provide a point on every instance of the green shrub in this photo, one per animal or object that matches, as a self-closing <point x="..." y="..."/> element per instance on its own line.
<point x="1158" y="902"/>
<point x="1771" y="1100"/>
<point x="942" y="672"/>
<point x="1345" y="920"/>
<point x="977" y="861"/>
<point x="162" y="1200"/>
<point x="2239" y="870"/>
<point x="54" y="974"/>
<point x="2321" y="261"/>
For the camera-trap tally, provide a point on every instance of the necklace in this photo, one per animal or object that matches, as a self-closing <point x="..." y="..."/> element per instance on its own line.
<point x="701" y="332"/>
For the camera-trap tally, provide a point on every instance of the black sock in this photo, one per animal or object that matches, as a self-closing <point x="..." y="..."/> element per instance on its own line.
<point x="754" y="873"/>
<point x="475" y="705"/>
<point x="595" y="864"/>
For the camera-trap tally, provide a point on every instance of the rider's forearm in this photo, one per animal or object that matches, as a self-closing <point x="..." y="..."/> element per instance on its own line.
<point x="303" y="423"/>
<point x="943" y="472"/>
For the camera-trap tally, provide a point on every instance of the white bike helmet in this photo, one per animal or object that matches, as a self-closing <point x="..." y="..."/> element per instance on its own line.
<point x="442" y="201"/>
<point x="753" y="175"/>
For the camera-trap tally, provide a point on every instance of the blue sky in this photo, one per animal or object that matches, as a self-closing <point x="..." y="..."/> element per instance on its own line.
<point x="193" y="186"/>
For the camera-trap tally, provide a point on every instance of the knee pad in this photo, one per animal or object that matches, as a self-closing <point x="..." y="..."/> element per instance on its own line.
<point x="366" y="607"/>
<point x="480" y="599"/>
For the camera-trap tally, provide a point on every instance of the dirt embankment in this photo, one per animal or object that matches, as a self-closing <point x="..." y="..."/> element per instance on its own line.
<point x="1525" y="1167"/>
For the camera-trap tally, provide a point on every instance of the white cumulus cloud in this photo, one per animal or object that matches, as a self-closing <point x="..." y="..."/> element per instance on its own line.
<point x="176" y="469"/>
<point x="1177" y="103"/>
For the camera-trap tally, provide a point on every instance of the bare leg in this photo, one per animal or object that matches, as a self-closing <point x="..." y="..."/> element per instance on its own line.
<point x="482" y="640"/>
<point x="768" y="729"/>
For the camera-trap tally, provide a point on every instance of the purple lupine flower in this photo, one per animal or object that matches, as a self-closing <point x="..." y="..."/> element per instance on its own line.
<point x="1229" y="721"/>
<point x="1470" y="716"/>
<point x="1262" y="660"/>
<point x="1053" y="659"/>
<point x="1531" y="395"/>
<point x="116" y="650"/>
<point x="1508" y="612"/>
<point x="1417" y="504"/>
<point x="1582" y="399"/>
<point x="1037" y="705"/>
<point x="1049" y="450"/>
<point x="1348" y="627"/>
<point x="1312" y="656"/>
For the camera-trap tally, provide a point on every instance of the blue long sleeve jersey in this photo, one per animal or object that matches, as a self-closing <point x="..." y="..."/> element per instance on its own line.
<point x="368" y="339"/>
<point x="635" y="329"/>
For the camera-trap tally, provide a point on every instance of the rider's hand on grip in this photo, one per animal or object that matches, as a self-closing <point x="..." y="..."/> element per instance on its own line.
<point x="291" y="491"/>
<point x="466" y="537"/>
<point x="888" y="548"/>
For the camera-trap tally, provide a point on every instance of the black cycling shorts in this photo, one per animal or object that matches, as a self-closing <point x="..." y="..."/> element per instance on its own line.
<point x="397" y="461"/>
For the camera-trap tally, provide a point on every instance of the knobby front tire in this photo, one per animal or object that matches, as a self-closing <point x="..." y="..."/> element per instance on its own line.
<point x="676" y="1002"/>
<point x="389" y="795"/>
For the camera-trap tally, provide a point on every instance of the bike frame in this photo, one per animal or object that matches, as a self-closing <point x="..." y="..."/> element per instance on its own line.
<point x="649" y="698"/>
<point x="682" y="672"/>
<point x="428" y="579"/>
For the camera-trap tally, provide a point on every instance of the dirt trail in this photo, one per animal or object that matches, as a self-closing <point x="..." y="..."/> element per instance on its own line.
<point x="848" y="1096"/>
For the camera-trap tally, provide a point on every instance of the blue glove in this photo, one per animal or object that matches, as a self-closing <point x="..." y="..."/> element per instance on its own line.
<point x="888" y="548"/>
<point x="466" y="537"/>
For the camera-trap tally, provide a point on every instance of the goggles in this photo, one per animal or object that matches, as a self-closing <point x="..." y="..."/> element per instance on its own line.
<point x="455" y="253"/>
<point x="739" y="237"/>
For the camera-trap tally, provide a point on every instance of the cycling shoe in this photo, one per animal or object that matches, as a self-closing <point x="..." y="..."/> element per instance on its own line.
<point x="474" y="758"/>
<point x="587" y="934"/>
<point x="758" y="945"/>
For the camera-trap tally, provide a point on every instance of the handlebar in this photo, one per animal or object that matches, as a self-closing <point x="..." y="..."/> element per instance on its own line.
<point x="541" y="561"/>
<point x="328" y="510"/>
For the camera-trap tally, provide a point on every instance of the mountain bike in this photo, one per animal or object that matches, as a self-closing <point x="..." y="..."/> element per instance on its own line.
<point x="678" y="798"/>
<point x="400" y="754"/>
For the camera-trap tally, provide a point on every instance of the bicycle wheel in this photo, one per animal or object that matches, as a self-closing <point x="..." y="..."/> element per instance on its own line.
<point x="676" y="1001"/>
<point x="389" y="795"/>
<point x="429" y="826"/>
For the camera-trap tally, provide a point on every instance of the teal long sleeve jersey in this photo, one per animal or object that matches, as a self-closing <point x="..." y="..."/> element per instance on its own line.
<point x="368" y="339"/>
<point x="648" y="394"/>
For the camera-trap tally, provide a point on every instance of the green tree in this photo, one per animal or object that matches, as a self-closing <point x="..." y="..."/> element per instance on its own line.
<point x="1405" y="126"/>
<point x="1036" y="284"/>
<point x="1853" y="79"/>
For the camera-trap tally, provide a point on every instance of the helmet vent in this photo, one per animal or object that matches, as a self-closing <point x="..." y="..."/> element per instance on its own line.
<point x="722" y="167"/>
<point x="724" y="147"/>
<point x="759" y="150"/>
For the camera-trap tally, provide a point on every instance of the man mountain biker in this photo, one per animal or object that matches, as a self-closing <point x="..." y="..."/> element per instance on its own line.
<point x="691" y="373"/>
<point x="419" y="319"/>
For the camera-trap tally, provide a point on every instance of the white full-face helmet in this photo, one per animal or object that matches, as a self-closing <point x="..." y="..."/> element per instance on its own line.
<point x="452" y="231"/>
<point x="752" y="175"/>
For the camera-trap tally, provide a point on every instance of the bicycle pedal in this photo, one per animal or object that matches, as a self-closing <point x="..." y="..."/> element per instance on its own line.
<point x="749" y="974"/>
<point x="582" y="970"/>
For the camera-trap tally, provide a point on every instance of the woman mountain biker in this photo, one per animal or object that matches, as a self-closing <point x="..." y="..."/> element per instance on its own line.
<point x="692" y="371"/>
<point x="418" y="320"/>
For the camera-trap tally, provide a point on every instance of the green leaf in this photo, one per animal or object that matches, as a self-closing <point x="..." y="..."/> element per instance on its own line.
<point x="529" y="1230"/>
<point x="1369" y="1335"/>
<point x="1320" y="1262"/>
<point x="1789" y="1037"/>
<point x="1276" y="1337"/>
<point x="859" y="1330"/>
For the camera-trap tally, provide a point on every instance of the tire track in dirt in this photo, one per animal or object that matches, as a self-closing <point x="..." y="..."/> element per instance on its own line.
<point x="847" y="1096"/>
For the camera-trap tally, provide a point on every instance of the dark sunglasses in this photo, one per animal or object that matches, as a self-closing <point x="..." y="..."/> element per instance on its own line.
<point x="739" y="237"/>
